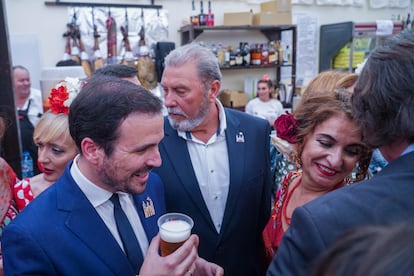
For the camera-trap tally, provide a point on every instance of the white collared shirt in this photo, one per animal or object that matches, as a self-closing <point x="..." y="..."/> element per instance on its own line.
<point x="211" y="167"/>
<point x="99" y="198"/>
<point x="36" y="106"/>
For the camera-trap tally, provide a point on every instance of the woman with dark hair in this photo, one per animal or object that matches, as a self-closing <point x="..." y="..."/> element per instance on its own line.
<point x="327" y="146"/>
<point x="264" y="105"/>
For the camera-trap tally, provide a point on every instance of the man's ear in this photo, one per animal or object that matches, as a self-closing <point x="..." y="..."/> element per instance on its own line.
<point x="214" y="90"/>
<point x="92" y="152"/>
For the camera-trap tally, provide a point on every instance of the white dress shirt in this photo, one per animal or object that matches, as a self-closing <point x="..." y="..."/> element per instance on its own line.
<point x="211" y="167"/>
<point x="99" y="198"/>
<point x="36" y="106"/>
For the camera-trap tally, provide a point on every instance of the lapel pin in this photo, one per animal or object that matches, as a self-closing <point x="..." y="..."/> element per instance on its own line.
<point x="148" y="207"/>
<point x="240" y="137"/>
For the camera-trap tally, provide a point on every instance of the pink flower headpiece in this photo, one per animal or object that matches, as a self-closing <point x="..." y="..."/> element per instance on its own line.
<point x="286" y="127"/>
<point x="265" y="77"/>
<point x="62" y="96"/>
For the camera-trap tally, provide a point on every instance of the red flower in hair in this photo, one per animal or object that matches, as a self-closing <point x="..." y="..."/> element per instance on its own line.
<point x="286" y="127"/>
<point x="62" y="96"/>
<point x="57" y="98"/>
<point x="266" y="77"/>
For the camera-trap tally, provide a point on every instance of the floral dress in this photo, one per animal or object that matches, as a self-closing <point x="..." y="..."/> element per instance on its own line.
<point x="8" y="210"/>
<point x="22" y="193"/>
<point x="273" y="232"/>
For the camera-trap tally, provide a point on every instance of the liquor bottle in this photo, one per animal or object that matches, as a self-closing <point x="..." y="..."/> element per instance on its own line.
<point x="221" y="54"/>
<point x="265" y="54"/>
<point x="239" y="57"/>
<point x="286" y="58"/>
<point x="246" y="54"/>
<point x="408" y="22"/>
<point x="255" y="55"/>
<point x="226" y="57"/>
<point x="210" y="15"/>
<point x="232" y="60"/>
<point x="272" y="53"/>
<point x="280" y="52"/>
<point x="202" y="18"/>
<point x="27" y="165"/>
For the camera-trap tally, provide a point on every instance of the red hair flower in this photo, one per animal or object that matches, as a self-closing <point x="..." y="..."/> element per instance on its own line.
<point x="57" y="98"/>
<point x="62" y="96"/>
<point x="286" y="127"/>
<point x="265" y="77"/>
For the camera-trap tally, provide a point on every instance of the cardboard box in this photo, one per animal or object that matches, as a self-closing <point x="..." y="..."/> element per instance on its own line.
<point x="238" y="18"/>
<point x="276" y="6"/>
<point x="230" y="98"/>
<point x="272" y="18"/>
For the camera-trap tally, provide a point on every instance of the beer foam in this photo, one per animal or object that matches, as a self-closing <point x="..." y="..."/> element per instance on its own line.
<point x="175" y="231"/>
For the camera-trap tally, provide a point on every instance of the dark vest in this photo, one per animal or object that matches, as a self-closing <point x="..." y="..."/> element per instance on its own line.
<point x="26" y="136"/>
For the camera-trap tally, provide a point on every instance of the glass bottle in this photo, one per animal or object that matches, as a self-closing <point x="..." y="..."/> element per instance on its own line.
<point x="202" y="18"/>
<point x="210" y="15"/>
<point x="27" y="165"/>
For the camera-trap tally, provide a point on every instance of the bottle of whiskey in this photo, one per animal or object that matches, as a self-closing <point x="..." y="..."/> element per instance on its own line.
<point x="210" y="15"/>
<point x="272" y="53"/>
<point x="202" y="17"/>
<point x="408" y="22"/>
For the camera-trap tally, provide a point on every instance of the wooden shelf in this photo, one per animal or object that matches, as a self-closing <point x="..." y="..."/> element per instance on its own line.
<point x="272" y="32"/>
<point x="189" y="33"/>
<point x="263" y="66"/>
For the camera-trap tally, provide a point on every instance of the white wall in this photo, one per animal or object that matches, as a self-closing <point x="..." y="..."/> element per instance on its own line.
<point x="34" y="18"/>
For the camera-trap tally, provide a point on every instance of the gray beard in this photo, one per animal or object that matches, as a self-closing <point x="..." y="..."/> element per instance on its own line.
<point x="190" y="123"/>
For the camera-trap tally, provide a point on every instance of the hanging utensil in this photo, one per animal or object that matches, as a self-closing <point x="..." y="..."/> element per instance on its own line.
<point x="98" y="60"/>
<point x="111" y="39"/>
<point x="147" y="73"/>
<point x="127" y="57"/>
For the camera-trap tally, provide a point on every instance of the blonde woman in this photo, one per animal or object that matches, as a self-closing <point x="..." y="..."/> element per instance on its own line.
<point x="55" y="147"/>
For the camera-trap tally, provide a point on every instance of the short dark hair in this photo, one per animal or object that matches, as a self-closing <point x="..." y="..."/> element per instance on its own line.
<point x="383" y="100"/>
<point x="103" y="104"/>
<point x="68" y="62"/>
<point x="117" y="70"/>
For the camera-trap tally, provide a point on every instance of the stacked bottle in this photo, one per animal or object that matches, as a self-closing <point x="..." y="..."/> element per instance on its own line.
<point x="255" y="54"/>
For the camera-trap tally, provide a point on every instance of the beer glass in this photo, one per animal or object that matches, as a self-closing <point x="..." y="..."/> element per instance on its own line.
<point x="175" y="229"/>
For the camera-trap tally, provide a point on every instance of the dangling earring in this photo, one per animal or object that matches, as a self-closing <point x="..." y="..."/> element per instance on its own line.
<point x="298" y="162"/>
<point x="347" y="180"/>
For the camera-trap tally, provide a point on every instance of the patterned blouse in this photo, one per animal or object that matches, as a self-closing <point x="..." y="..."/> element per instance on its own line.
<point x="8" y="178"/>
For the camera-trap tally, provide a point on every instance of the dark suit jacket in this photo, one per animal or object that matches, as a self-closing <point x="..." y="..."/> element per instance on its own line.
<point x="387" y="198"/>
<point x="238" y="247"/>
<point x="60" y="233"/>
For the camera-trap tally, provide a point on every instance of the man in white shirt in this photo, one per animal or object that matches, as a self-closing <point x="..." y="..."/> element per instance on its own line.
<point x="215" y="163"/>
<point x="29" y="107"/>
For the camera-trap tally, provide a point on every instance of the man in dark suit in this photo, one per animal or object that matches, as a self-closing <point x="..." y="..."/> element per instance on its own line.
<point x="215" y="163"/>
<point x="75" y="228"/>
<point x="383" y="104"/>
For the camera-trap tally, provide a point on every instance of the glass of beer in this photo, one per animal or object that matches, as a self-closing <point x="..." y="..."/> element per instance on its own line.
<point x="175" y="229"/>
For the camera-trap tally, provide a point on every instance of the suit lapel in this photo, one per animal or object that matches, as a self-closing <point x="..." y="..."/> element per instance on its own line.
<point x="148" y="223"/>
<point x="86" y="224"/>
<point x="236" y="150"/>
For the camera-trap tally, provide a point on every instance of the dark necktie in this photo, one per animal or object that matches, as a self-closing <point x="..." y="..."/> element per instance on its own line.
<point x="129" y="240"/>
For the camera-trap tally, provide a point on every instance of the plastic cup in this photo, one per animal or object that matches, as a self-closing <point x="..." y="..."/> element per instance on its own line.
<point x="175" y="229"/>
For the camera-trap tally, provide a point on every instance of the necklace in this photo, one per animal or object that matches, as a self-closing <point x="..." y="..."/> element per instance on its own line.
<point x="289" y="195"/>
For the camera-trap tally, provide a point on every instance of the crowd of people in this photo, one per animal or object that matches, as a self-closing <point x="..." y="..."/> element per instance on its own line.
<point x="104" y="149"/>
